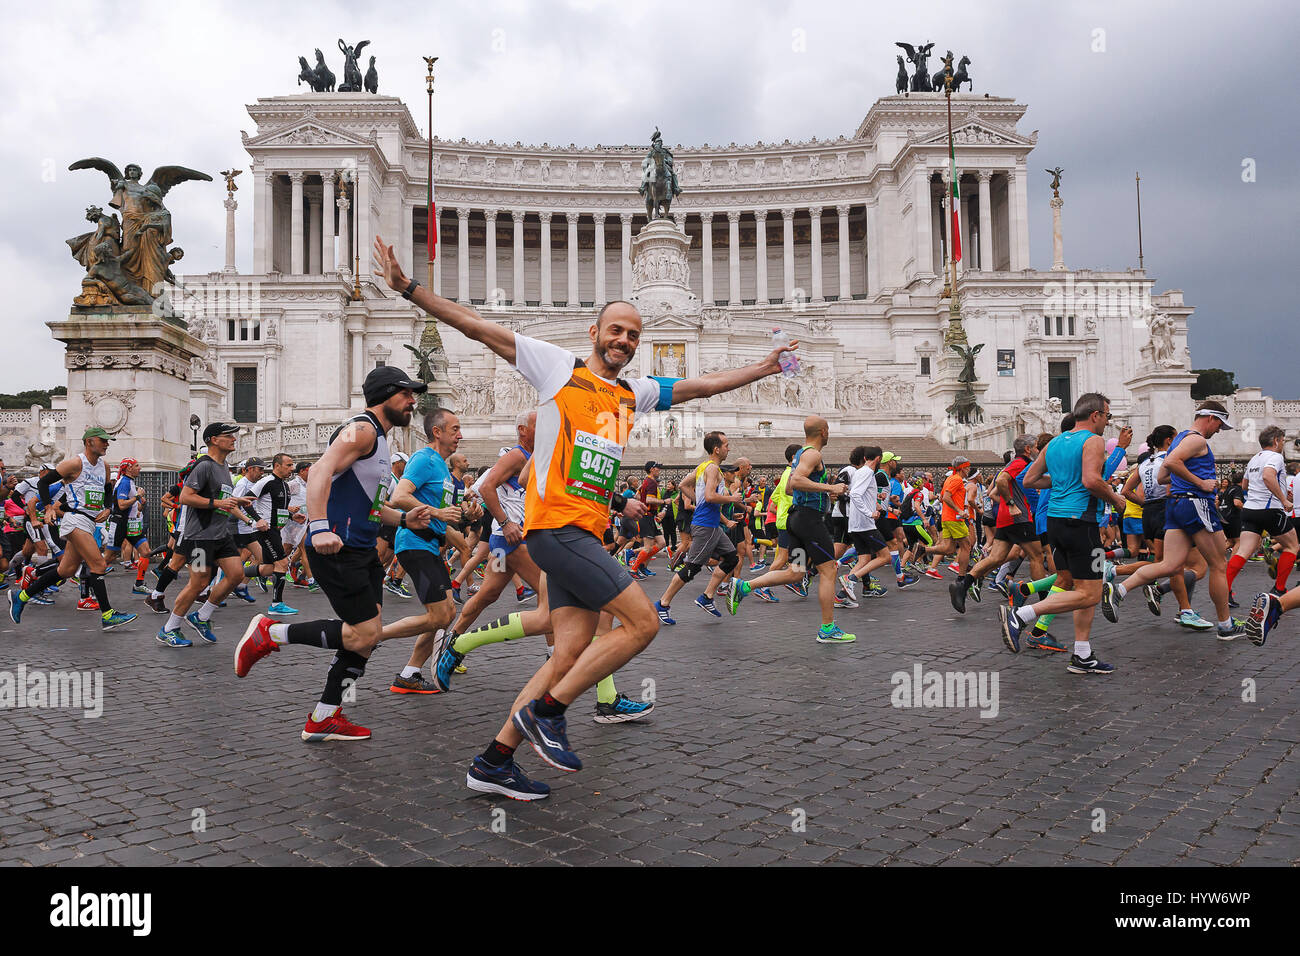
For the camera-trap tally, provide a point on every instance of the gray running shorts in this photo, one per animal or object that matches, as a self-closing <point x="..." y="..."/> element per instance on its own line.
<point x="579" y="571"/>
<point x="708" y="543"/>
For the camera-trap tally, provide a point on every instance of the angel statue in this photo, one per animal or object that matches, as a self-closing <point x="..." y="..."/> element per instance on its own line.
<point x="918" y="55"/>
<point x="968" y="357"/>
<point x="351" y="72"/>
<point x="424" y="372"/>
<point x="1056" y="181"/>
<point x="230" y="175"/>
<point x="146" y="223"/>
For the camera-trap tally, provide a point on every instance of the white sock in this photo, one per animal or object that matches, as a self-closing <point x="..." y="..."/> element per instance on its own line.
<point x="1225" y="625"/>
<point x="1026" y="613"/>
<point x="323" y="711"/>
<point x="280" y="633"/>
<point x="206" y="612"/>
<point x="1120" y="590"/>
<point x="1003" y="572"/>
<point x="173" y="623"/>
<point x="1083" y="649"/>
<point x="409" y="671"/>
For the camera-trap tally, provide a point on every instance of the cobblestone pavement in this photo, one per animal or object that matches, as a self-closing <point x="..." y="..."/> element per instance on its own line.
<point x="764" y="747"/>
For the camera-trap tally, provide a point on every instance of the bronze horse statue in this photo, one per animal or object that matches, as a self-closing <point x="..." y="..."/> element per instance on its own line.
<point x="319" y="78"/>
<point x="900" y="84"/>
<point x="660" y="186"/>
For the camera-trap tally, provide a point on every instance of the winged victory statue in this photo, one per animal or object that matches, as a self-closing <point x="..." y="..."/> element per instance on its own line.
<point x="141" y="261"/>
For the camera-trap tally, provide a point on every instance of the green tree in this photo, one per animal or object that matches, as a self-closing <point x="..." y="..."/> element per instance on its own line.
<point x="1213" y="381"/>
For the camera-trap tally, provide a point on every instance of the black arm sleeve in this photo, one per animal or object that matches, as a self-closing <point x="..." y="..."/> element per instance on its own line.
<point x="43" y="485"/>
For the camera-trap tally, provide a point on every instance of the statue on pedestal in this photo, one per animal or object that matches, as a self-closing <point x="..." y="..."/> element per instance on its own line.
<point x="319" y="77"/>
<point x="135" y="273"/>
<point x="372" y="78"/>
<point x="658" y="179"/>
<point x="967" y="374"/>
<point x="424" y="373"/>
<point x="1056" y="181"/>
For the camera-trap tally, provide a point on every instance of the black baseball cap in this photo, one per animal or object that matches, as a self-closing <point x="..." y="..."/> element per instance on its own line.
<point x="219" y="428"/>
<point x="386" y="381"/>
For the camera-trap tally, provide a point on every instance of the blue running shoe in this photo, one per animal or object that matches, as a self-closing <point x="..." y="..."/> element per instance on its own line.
<point x="1264" y="614"/>
<point x="623" y="708"/>
<point x="447" y="662"/>
<point x="507" y="780"/>
<point x="525" y="594"/>
<point x="1010" y="628"/>
<point x="173" y="638"/>
<point x="833" y="634"/>
<point x="765" y="594"/>
<point x="41" y="599"/>
<point x="1088" y="665"/>
<point x="279" y="607"/>
<point x="646" y="572"/>
<point x="708" y="605"/>
<point x="16" y="605"/>
<point x="203" y="627"/>
<point x="663" y="614"/>
<point x="800" y="589"/>
<point x="241" y="592"/>
<point x="140" y="589"/>
<point x="52" y="589"/>
<point x="548" y="737"/>
<point x="114" y="619"/>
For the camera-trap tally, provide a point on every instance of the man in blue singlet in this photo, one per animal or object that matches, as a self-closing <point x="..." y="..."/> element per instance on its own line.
<point x="1190" y="518"/>
<point x="1072" y="466"/>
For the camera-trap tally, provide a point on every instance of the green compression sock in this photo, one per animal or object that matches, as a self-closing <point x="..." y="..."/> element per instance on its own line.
<point x="1041" y="585"/>
<point x="1045" y="621"/>
<point x="605" y="690"/>
<point x="508" y="628"/>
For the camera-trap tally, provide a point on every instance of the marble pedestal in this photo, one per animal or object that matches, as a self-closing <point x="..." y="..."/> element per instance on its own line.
<point x="129" y="372"/>
<point x="661" y="276"/>
<point x="1160" y="396"/>
<point x="942" y="392"/>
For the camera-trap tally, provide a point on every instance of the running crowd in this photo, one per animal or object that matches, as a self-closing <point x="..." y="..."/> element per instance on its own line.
<point x="553" y="518"/>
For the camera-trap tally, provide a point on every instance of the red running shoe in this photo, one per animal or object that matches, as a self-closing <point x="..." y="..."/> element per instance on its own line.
<point x="932" y="573"/>
<point x="29" y="575"/>
<point x="87" y="604"/>
<point x="254" y="645"/>
<point x="335" y="727"/>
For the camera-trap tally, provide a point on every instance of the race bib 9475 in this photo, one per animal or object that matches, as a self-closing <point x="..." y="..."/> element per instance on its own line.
<point x="593" y="470"/>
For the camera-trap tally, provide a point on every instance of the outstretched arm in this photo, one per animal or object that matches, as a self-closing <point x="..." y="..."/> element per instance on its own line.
<point x="466" y="321"/>
<point x="714" y="383"/>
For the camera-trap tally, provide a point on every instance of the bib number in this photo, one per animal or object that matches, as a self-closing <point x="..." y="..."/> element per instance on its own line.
<point x="95" y="498"/>
<point x="593" y="470"/>
<point x="134" y="527"/>
<point x="281" y="517"/>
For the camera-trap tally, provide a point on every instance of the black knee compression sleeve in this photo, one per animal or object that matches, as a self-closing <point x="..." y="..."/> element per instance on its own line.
<point x="688" y="571"/>
<point x="728" y="564"/>
<point x="346" y="666"/>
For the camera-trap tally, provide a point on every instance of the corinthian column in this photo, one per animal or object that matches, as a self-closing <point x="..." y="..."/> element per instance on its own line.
<point x="842" y="211"/>
<point x="490" y="259"/>
<point x="462" y="256"/>
<point x="572" y="217"/>
<point x="327" y="220"/>
<point x="787" y="254"/>
<point x="600" y="259"/>
<point x="231" y="206"/>
<point x="815" y="214"/>
<point x="625" y="251"/>
<point x="733" y="257"/>
<point x="547" y="298"/>
<point x="986" y="222"/>
<point x="518" y="216"/>
<point x="760" y="253"/>
<point x="295" y="224"/>
<point x="706" y="257"/>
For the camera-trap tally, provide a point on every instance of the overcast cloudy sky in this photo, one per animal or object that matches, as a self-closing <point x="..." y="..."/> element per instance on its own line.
<point x="1184" y="92"/>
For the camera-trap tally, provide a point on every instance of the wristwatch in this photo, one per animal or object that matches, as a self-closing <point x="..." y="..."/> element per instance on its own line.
<point x="410" y="289"/>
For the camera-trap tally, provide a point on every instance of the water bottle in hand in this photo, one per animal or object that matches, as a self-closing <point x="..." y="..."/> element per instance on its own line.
<point x="789" y="361"/>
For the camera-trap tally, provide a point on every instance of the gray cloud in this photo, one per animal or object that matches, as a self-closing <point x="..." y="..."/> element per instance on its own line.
<point x="1183" y="92"/>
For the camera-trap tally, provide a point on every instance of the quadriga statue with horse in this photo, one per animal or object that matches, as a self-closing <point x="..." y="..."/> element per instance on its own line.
<point x="319" y="78"/>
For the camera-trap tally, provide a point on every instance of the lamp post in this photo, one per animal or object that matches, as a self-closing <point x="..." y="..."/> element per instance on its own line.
<point x="356" y="250"/>
<point x="195" y="422"/>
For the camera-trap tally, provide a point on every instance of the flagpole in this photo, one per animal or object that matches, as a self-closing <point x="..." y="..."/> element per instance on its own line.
<point x="431" y="224"/>
<point x="956" y="335"/>
<point x="1139" y="198"/>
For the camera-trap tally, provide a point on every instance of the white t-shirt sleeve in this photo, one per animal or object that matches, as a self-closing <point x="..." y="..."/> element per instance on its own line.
<point x="647" y="394"/>
<point x="545" y="366"/>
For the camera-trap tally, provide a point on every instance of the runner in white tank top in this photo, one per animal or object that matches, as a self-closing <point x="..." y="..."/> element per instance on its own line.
<point x="84" y="476"/>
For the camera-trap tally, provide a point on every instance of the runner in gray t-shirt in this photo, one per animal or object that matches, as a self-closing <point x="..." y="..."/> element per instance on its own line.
<point x="207" y="539"/>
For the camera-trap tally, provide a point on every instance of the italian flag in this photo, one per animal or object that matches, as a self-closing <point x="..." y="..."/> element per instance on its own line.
<point x="956" y="206"/>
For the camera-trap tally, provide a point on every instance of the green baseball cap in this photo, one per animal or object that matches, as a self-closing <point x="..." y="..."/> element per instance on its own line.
<point x="96" y="432"/>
